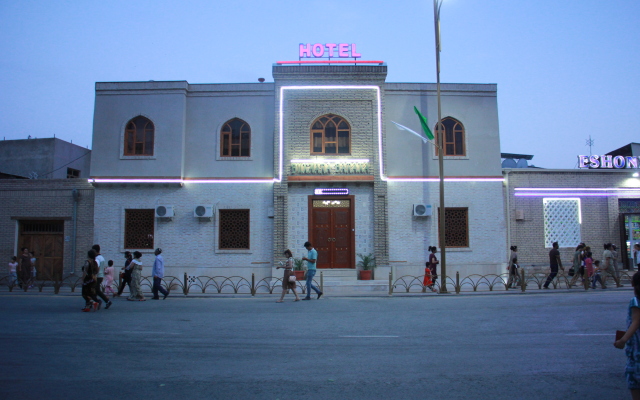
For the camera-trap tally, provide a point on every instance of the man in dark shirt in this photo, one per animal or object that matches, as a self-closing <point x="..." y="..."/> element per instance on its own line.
<point x="554" y="263"/>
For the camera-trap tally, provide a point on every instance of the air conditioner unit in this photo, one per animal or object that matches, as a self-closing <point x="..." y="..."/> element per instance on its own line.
<point x="203" y="211"/>
<point x="519" y="215"/>
<point x="164" y="211"/>
<point x="422" y="210"/>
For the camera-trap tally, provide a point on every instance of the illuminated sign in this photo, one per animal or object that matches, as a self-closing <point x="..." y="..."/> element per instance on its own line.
<point x="331" y="191"/>
<point x="330" y="168"/>
<point x="318" y="50"/>
<point x="607" y="162"/>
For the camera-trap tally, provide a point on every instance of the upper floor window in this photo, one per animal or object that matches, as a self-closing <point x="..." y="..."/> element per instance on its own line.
<point x="330" y="134"/>
<point x="139" y="137"/>
<point x="73" y="173"/>
<point x="235" y="139"/>
<point x="453" y="137"/>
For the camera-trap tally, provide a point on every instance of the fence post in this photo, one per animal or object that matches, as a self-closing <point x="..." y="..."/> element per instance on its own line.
<point x="390" y="283"/>
<point x="119" y="282"/>
<point x="458" y="282"/>
<point x="523" y="283"/>
<point x="253" y="284"/>
<point x="321" y="281"/>
<point x="185" y="287"/>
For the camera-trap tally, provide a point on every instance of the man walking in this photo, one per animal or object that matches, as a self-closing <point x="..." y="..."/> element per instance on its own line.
<point x="554" y="263"/>
<point x="158" y="274"/>
<point x="102" y="264"/>
<point x="311" y="259"/>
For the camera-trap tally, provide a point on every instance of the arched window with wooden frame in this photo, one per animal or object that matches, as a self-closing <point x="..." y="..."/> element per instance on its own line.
<point x="330" y="134"/>
<point x="454" y="140"/>
<point x="235" y="139"/>
<point x="139" y="136"/>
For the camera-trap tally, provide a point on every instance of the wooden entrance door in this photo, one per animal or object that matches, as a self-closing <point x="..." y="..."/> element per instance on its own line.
<point x="46" y="240"/>
<point x="332" y="233"/>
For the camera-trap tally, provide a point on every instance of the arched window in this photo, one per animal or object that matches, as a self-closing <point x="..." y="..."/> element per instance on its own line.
<point x="235" y="139"/>
<point x="138" y="137"/>
<point x="453" y="137"/>
<point x="330" y="134"/>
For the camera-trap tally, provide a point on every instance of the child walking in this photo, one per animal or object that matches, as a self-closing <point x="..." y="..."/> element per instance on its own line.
<point x="108" y="278"/>
<point x="596" y="276"/>
<point x="631" y="339"/>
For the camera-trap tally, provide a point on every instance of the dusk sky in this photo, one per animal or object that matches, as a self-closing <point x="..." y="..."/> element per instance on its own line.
<point x="565" y="69"/>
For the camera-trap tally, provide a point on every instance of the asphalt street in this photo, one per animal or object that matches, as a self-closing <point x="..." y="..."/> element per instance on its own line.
<point x="517" y="346"/>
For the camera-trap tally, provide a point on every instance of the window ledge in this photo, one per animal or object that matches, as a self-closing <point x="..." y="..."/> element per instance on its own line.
<point x="220" y="158"/>
<point x="457" y="249"/>
<point x="239" y="251"/>
<point x="452" y="157"/>
<point x="137" y="157"/>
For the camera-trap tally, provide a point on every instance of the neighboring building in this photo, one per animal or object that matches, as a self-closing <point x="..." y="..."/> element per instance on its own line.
<point x="225" y="177"/>
<point x="629" y="150"/>
<point x="51" y="217"/>
<point x="48" y="158"/>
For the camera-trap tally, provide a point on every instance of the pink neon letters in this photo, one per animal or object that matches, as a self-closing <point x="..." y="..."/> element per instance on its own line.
<point x="318" y="50"/>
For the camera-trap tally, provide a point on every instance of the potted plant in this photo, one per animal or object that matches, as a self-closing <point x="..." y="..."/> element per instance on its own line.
<point x="367" y="263"/>
<point x="297" y="269"/>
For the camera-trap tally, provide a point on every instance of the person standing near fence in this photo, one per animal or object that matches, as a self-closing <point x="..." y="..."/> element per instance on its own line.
<point x="578" y="270"/>
<point x="13" y="268"/>
<point x="311" y="259"/>
<point x="102" y="264"/>
<point x="514" y="276"/>
<point x="158" y="273"/>
<point x="136" y="276"/>
<point x="126" y="274"/>
<point x="288" y="273"/>
<point x="24" y="269"/>
<point x="554" y="264"/>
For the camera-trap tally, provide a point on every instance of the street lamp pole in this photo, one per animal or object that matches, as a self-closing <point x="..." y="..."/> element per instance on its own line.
<point x="440" y="132"/>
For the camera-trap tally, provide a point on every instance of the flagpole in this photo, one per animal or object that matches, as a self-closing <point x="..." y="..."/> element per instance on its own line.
<point x="439" y="129"/>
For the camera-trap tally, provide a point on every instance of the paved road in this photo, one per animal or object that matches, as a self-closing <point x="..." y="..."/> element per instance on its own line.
<point x="528" y="346"/>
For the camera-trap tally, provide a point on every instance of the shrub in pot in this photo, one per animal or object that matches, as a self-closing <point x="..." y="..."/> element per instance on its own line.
<point x="367" y="263"/>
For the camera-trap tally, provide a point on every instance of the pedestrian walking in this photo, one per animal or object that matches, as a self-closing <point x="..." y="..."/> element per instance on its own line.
<point x="24" y="269"/>
<point x="102" y="264"/>
<point x="554" y="264"/>
<point x="514" y="276"/>
<point x="630" y="341"/>
<point x="108" y="278"/>
<point x="607" y="265"/>
<point x="125" y="275"/>
<point x="636" y="258"/>
<point x="588" y="263"/>
<point x="89" y="283"/>
<point x="597" y="275"/>
<point x="13" y="271"/>
<point x="158" y="273"/>
<point x="430" y="273"/>
<point x="135" y="287"/>
<point x="311" y="259"/>
<point x="614" y="259"/>
<point x="33" y="268"/>
<point x="577" y="265"/>
<point x="287" y="282"/>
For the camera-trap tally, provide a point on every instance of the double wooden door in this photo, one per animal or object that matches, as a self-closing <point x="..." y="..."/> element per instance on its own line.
<point x="46" y="240"/>
<point x="332" y="232"/>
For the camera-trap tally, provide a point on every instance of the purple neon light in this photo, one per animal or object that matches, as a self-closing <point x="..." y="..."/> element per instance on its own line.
<point x="579" y="189"/>
<point x="533" y="194"/>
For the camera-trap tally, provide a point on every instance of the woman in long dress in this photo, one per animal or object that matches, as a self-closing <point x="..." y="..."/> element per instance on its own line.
<point x="288" y="272"/>
<point x="136" y="277"/>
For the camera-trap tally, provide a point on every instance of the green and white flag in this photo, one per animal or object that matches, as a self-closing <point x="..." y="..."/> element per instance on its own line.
<point x="424" y="123"/>
<point x="404" y="128"/>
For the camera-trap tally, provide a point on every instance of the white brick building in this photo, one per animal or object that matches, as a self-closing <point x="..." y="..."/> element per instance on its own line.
<point x="254" y="154"/>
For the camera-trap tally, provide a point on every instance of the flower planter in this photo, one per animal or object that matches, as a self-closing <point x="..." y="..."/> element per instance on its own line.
<point x="299" y="275"/>
<point x="365" y="275"/>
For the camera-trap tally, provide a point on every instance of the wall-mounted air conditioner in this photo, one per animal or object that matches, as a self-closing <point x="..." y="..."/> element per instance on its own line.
<point x="203" y="211"/>
<point x="422" y="210"/>
<point x="164" y="211"/>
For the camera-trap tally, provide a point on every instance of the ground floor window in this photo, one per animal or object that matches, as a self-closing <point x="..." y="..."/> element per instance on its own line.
<point x="138" y="228"/>
<point x="456" y="223"/>
<point x="234" y="230"/>
<point x="561" y="222"/>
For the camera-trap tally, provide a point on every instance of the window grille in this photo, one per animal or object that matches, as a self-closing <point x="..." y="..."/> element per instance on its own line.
<point x="35" y="227"/>
<point x="456" y="227"/>
<point x="138" y="228"/>
<point x="561" y="222"/>
<point x="234" y="229"/>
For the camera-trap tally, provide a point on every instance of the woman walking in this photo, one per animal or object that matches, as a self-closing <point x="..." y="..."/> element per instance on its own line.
<point x="25" y="268"/>
<point x="430" y="273"/>
<point x="514" y="277"/>
<point x="126" y="274"/>
<point x="89" y="282"/>
<point x="288" y="273"/>
<point x="136" y="277"/>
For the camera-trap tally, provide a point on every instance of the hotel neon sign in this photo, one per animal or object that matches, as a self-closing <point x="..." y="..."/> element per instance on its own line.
<point x="318" y="50"/>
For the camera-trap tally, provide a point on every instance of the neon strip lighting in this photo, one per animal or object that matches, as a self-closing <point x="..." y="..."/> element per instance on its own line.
<point x="330" y="62"/>
<point x="358" y="160"/>
<point x="98" y="180"/>
<point x="534" y="194"/>
<point x="446" y="179"/>
<point x="579" y="189"/>
<point x="570" y="198"/>
<point x="270" y="180"/>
